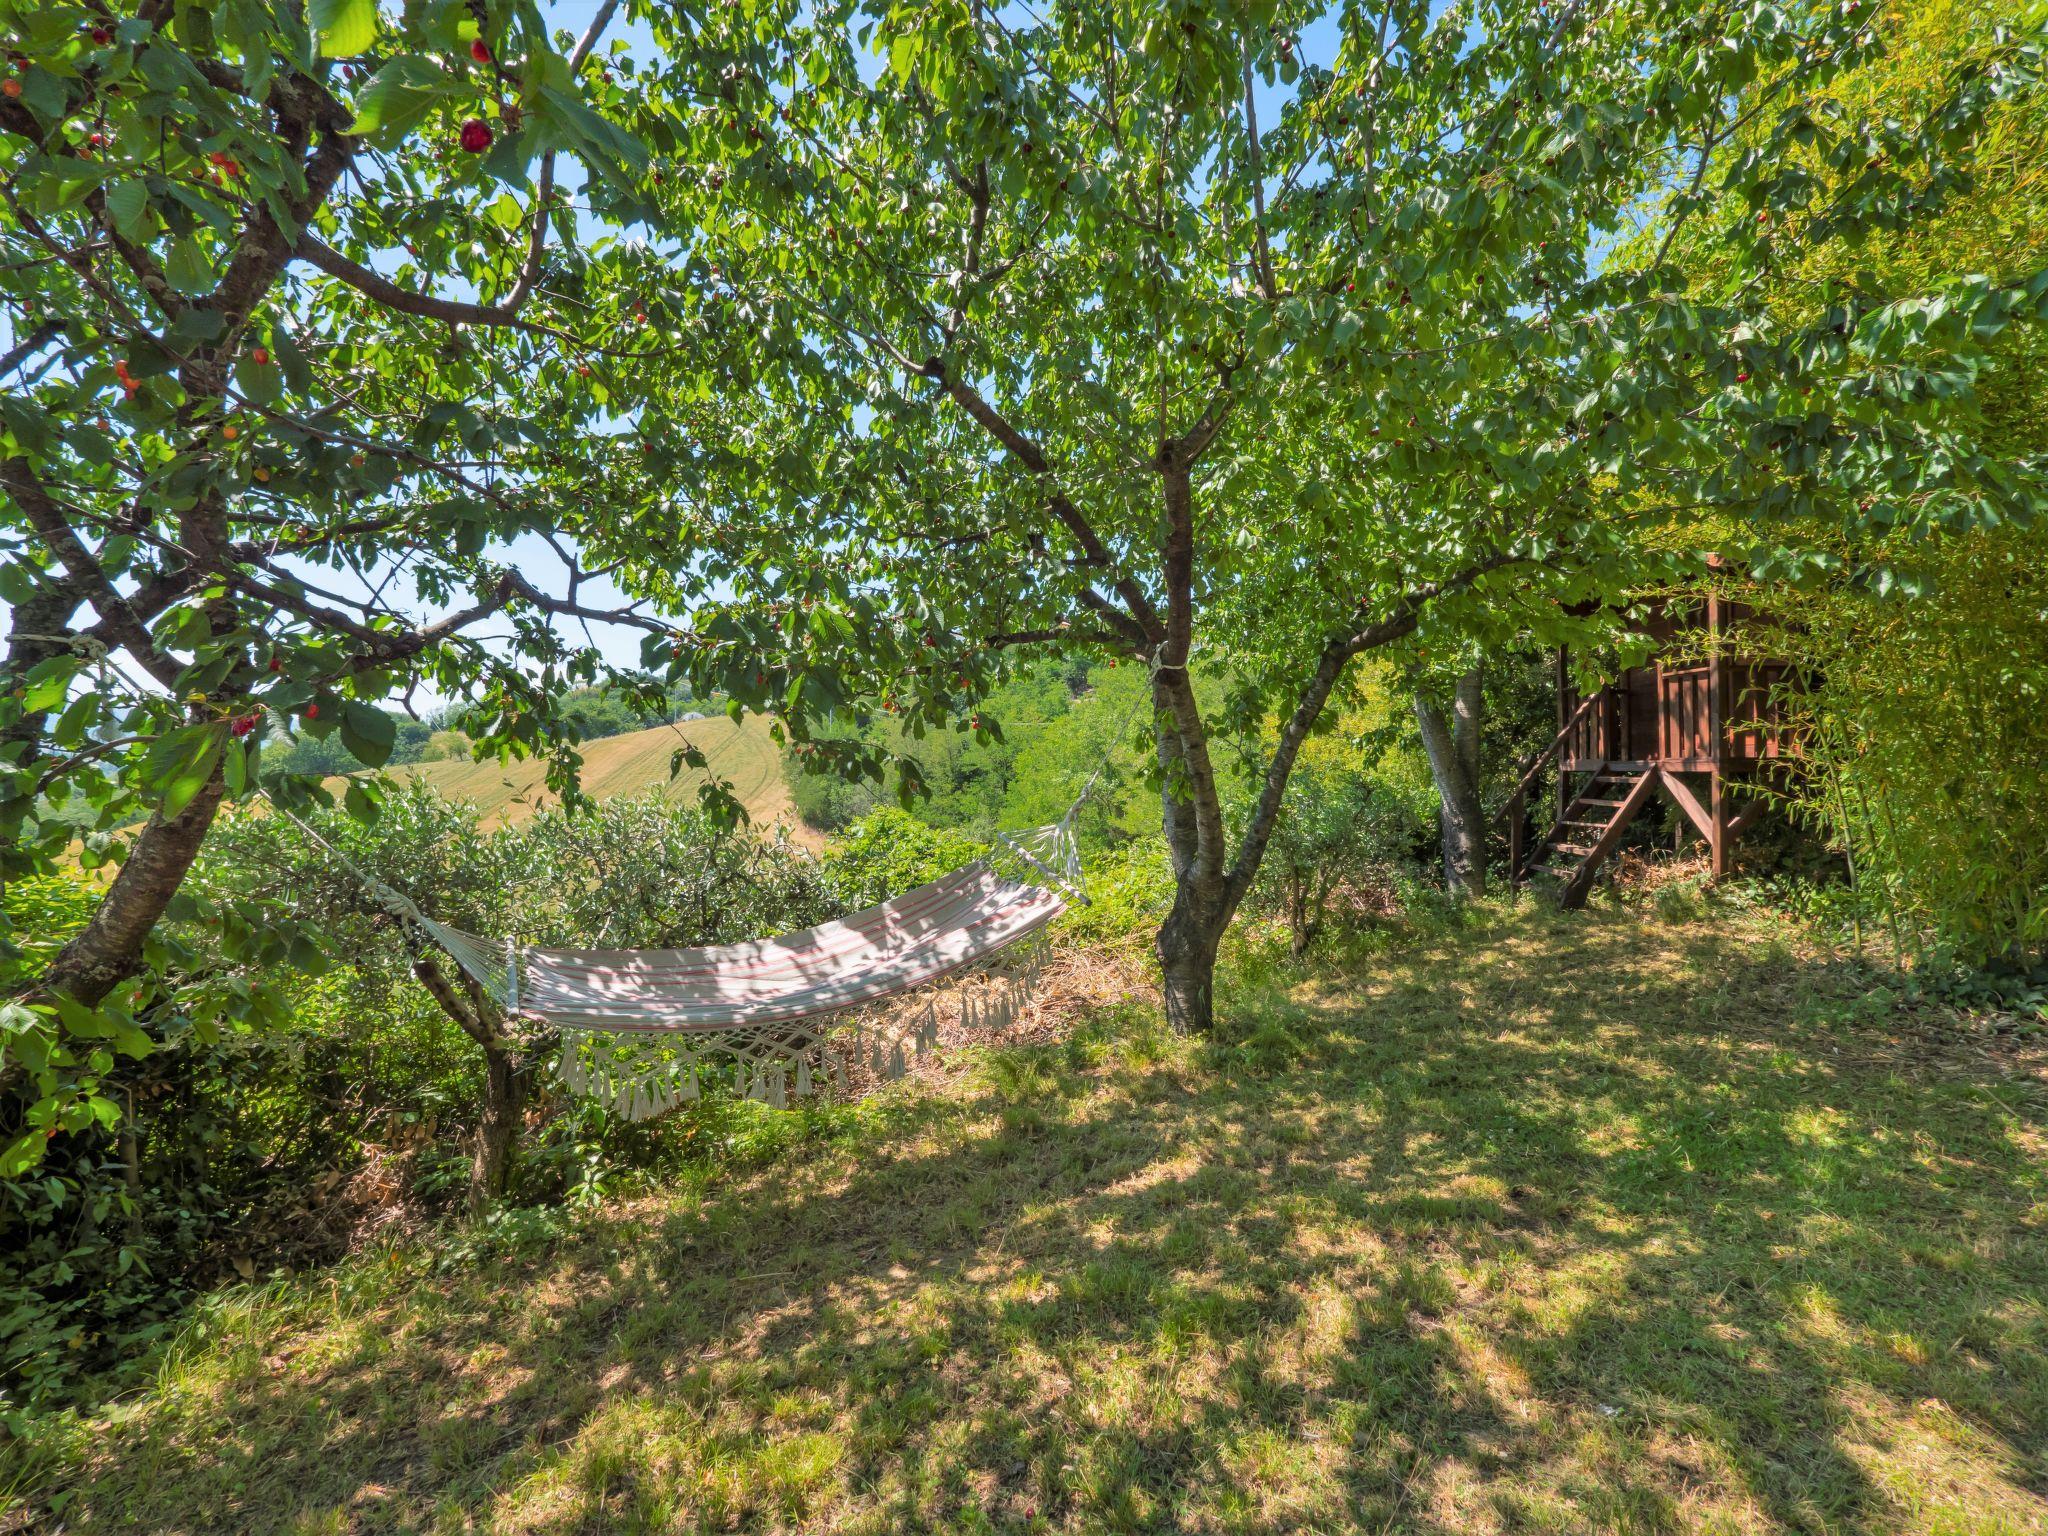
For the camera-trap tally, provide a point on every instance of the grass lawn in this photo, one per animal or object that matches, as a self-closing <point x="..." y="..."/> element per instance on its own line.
<point x="1587" y="1222"/>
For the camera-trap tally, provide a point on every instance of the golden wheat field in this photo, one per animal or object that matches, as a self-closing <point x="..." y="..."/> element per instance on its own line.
<point x="745" y="755"/>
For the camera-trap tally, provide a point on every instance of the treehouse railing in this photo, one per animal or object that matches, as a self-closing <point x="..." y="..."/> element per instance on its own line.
<point x="1517" y="810"/>
<point x="1685" y="713"/>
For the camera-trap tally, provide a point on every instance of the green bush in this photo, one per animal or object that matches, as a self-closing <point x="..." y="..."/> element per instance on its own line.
<point x="230" y="1139"/>
<point x="1130" y="889"/>
<point x="889" y="852"/>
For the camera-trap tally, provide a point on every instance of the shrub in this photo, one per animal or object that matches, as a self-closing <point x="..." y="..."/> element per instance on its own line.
<point x="889" y="852"/>
<point x="1130" y="888"/>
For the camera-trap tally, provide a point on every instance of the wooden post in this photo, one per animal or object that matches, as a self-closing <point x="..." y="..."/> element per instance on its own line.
<point x="1717" y="746"/>
<point x="1717" y="815"/>
<point x="1564" y="752"/>
<point x="1714" y="680"/>
<point x="1660" y="722"/>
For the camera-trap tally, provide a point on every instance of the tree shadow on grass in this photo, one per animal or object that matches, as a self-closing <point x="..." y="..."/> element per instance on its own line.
<point x="1579" y="1223"/>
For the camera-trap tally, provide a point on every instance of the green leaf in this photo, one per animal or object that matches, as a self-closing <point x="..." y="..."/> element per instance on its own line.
<point x="187" y="268"/>
<point x="345" y="27"/>
<point x="42" y="94"/>
<point x="360" y="802"/>
<point x="368" y="733"/>
<point x="298" y="374"/>
<point x="260" y="382"/>
<point x="128" y="206"/>
<point x="401" y="94"/>
<point x="608" y="147"/>
<point x="22" y="1154"/>
<point x="192" y="775"/>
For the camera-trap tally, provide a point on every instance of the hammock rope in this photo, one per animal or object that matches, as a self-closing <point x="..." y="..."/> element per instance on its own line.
<point x="644" y="1030"/>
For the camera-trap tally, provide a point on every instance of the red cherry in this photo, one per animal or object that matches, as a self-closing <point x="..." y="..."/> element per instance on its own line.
<point x="480" y="51"/>
<point x="476" y="135"/>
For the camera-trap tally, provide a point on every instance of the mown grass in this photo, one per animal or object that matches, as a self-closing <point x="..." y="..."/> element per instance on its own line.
<point x="1586" y="1222"/>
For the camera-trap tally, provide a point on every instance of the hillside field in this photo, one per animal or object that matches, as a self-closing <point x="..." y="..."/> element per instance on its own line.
<point x="632" y="763"/>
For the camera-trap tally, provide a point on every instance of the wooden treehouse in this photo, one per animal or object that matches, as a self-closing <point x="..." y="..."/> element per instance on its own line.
<point x="1704" y="717"/>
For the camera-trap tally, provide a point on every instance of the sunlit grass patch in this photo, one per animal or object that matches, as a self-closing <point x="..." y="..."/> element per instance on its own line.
<point x="1542" y="1223"/>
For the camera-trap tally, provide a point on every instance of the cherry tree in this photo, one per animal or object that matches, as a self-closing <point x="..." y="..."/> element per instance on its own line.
<point x="298" y="334"/>
<point x="1129" y="330"/>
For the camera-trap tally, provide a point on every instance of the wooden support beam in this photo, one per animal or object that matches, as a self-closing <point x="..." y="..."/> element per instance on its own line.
<point x="1688" y="802"/>
<point x="1746" y="818"/>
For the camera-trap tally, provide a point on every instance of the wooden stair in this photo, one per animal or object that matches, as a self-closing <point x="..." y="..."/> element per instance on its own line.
<point x="1590" y="829"/>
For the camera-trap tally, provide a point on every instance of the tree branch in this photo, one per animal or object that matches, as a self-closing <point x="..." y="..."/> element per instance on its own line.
<point x="1139" y="621"/>
<point x="1262" y="254"/>
<point x="1400" y="621"/>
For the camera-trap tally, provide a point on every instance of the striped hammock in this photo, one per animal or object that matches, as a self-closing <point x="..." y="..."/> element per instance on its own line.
<point x="642" y="1028"/>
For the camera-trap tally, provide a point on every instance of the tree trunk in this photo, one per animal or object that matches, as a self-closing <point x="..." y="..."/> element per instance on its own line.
<point x="1188" y="941"/>
<point x="1453" y="749"/>
<point x="1192" y="813"/>
<point x="108" y="949"/>
<point x="1299" y="933"/>
<point x="497" y="1135"/>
